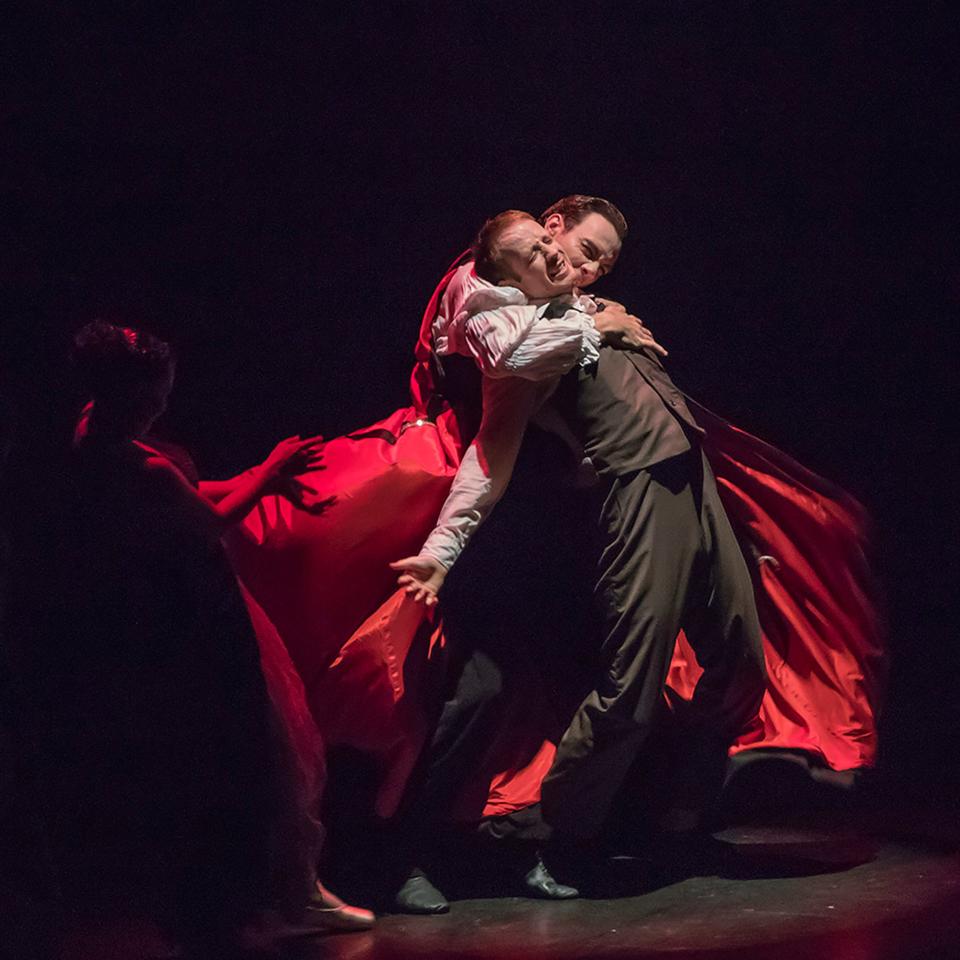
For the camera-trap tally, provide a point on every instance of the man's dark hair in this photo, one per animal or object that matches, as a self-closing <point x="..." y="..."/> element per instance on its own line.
<point x="111" y="361"/>
<point x="574" y="208"/>
<point x="487" y="251"/>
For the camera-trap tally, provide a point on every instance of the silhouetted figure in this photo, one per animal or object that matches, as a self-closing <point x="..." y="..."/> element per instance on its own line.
<point x="174" y="778"/>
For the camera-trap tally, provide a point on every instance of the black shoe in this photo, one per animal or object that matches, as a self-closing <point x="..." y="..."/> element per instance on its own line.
<point x="418" y="895"/>
<point x="539" y="884"/>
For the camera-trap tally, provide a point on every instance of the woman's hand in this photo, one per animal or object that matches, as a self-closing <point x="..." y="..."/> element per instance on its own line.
<point x="293" y="456"/>
<point x="422" y="577"/>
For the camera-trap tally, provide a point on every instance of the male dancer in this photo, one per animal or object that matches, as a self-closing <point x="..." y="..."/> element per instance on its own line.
<point x="668" y="558"/>
<point x="543" y="347"/>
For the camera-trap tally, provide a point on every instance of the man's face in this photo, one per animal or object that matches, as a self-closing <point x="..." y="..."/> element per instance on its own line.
<point x="592" y="245"/>
<point x="536" y="261"/>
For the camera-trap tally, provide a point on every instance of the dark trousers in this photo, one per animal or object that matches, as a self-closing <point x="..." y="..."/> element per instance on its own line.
<point x="517" y="619"/>
<point x="668" y="561"/>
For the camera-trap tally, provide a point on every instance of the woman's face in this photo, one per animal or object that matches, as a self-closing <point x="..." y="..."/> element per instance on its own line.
<point x="537" y="263"/>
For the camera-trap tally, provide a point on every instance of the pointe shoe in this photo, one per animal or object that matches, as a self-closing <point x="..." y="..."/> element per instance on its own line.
<point x="326" y="898"/>
<point x="328" y="912"/>
<point x="418" y="895"/>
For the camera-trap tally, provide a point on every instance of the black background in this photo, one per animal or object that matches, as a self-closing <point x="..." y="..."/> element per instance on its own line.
<point x="276" y="187"/>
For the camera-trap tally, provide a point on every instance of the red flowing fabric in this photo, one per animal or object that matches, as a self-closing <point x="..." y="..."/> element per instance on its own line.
<point x="366" y="653"/>
<point x="363" y="649"/>
<point x="818" y="605"/>
<point x="288" y="697"/>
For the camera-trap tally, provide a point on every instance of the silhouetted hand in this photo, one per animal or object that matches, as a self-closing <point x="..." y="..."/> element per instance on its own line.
<point x="293" y="456"/>
<point x="299" y="494"/>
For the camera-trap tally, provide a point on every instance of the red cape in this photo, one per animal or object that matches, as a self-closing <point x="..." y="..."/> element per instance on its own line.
<point x="368" y="655"/>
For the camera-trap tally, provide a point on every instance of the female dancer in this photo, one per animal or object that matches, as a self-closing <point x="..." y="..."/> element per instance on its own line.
<point x="183" y="749"/>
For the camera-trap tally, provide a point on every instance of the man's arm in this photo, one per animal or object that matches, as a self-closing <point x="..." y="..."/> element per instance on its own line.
<point x="507" y="336"/>
<point x="481" y="480"/>
<point x="520" y="341"/>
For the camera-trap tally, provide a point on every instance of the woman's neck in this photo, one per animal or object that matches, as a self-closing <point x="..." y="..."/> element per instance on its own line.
<point x="112" y="431"/>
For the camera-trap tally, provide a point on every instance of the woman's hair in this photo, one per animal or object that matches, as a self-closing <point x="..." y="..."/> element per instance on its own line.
<point x="487" y="250"/>
<point x="111" y="361"/>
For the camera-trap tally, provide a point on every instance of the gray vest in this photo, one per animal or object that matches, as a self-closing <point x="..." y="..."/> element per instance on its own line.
<point x="626" y="412"/>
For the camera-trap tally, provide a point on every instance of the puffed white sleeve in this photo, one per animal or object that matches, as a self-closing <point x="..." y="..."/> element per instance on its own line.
<point x="508" y="337"/>
<point x="487" y="466"/>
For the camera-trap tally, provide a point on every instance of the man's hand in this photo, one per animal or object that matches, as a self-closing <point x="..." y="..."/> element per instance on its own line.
<point x="422" y="577"/>
<point x="622" y="330"/>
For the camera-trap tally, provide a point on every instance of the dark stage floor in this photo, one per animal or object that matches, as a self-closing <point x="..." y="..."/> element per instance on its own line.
<point x="842" y="893"/>
<point x="863" y="887"/>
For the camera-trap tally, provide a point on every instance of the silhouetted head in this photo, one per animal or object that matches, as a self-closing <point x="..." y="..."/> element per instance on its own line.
<point x="128" y="373"/>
